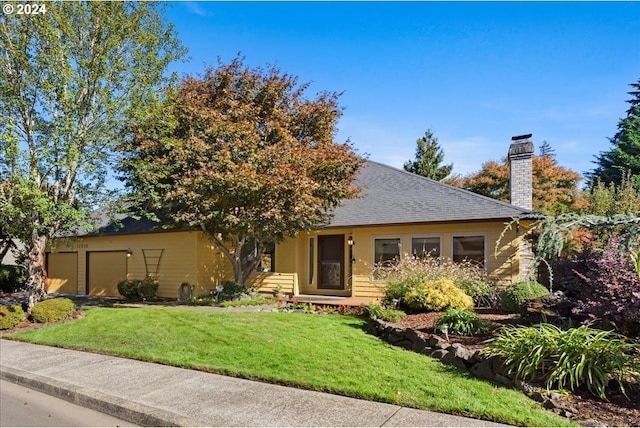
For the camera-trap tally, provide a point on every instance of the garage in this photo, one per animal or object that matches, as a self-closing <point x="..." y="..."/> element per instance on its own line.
<point x="62" y="272"/>
<point x="105" y="269"/>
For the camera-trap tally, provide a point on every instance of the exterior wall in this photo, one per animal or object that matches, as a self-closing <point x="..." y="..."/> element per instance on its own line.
<point x="176" y="264"/>
<point x="503" y="268"/>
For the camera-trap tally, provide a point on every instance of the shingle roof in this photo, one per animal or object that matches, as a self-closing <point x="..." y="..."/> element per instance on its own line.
<point x="389" y="196"/>
<point x="394" y="196"/>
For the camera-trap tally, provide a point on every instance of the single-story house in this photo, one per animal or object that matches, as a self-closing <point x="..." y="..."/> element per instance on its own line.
<point x="398" y="214"/>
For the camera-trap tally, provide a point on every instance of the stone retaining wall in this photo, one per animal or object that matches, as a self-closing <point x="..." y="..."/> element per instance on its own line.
<point x="474" y="361"/>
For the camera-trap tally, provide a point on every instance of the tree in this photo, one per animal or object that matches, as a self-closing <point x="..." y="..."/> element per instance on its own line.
<point x="242" y="155"/>
<point x="546" y="150"/>
<point x="610" y="200"/>
<point x="625" y="154"/>
<point x="70" y="76"/>
<point x="428" y="160"/>
<point x="555" y="188"/>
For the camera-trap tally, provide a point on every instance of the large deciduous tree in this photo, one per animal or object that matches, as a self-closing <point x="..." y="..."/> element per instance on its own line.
<point x="555" y="188"/>
<point x="69" y="78"/>
<point x="241" y="154"/>
<point x="428" y="159"/>
<point x="624" y="156"/>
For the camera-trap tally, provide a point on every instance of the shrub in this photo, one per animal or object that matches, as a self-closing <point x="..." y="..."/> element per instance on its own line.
<point x="10" y="316"/>
<point x="567" y="359"/>
<point x="138" y="289"/>
<point x="437" y="295"/>
<point x="411" y="273"/>
<point x="231" y="289"/>
<point x="484" y="294"/>
<point x="52" y="310"/>
<point x="518" y="294"/>
<point x="610" y="288"/>
<point x="375" y="310"/>
<point x="12" y="278"/>
<point x="462" y="322"/>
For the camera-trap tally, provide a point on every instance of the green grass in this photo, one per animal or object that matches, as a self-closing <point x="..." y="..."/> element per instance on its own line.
<point x="327" y="353"/>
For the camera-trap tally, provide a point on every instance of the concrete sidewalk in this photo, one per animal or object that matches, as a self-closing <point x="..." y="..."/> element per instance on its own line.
<point x="157" y="395"/>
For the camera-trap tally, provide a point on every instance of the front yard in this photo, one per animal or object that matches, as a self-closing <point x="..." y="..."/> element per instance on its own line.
<point x="327" y="353"/>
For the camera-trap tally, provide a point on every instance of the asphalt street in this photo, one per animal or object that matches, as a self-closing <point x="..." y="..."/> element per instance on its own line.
<point x="24" y="407"/>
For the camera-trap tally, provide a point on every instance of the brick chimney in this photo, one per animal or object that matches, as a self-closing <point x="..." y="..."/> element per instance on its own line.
<point x="521" y="172"/>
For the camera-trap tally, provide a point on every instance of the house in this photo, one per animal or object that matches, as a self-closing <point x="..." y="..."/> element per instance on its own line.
<point x="398" y="214"/>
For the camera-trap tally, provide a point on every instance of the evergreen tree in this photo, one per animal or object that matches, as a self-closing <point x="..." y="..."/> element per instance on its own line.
<point x="625" y="154"/>
<point x="546" y="150"/>
<point x="428" y="158"/>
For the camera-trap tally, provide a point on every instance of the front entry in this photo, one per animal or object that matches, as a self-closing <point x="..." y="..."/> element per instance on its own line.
<point x="331" y="262"/>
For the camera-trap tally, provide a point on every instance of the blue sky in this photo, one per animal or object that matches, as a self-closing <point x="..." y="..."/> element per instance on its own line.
<point x="476" y="73"/>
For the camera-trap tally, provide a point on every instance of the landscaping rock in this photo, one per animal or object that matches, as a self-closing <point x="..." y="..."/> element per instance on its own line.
<point x="439" y="353"/>
<point x="459" y="351"/>
<point x="451" y="358"/>
<point x="437" y="342"/>
<point x="482" y="370"/>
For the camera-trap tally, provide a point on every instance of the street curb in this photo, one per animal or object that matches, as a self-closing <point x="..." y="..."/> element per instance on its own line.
<point x="121" y="408"/>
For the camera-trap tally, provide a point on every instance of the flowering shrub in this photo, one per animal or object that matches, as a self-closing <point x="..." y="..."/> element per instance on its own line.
<point x="611" y="291"/>
<point x="410" y="273"/>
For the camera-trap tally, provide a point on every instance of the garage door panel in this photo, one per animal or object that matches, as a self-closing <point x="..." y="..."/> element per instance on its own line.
<point x="105" y="270"/>
<point x="62" y="272"/>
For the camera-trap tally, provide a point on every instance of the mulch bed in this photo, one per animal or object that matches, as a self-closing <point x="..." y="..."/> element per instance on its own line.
<point x="618" y="411"/>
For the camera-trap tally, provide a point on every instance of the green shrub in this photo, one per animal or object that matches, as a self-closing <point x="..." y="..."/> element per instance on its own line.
<point x="231" y="290"/>
<point x="412" y="272"/>
<point x="52" y="310"/>
<point x="375" y="310"/>
<point x="12" y="278"/>
<point x="437" y="295"/>
<point x="463" y="322"/>
<point x="137" y="290"/>
<point x="483" y="293"/>
<point x="10" y="316"/>
<point x="567" y="359"/>
<point x="518" y="294"/>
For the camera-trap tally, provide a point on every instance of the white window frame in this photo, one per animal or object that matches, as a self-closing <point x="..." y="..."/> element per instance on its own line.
<point x="440" y="237"/>
<point x="484" y="235"/>
<point x="373" y="251"/>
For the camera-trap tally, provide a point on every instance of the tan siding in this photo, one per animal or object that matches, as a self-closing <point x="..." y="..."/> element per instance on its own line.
<point x="267" y="281"/>
<point x="213" y="266"/>
<point x="177" y="265"/>
<point x="62" y="271"/>
<point x="503" y="267"/>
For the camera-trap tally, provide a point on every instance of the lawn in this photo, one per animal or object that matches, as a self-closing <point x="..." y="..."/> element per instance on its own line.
<point x="329" y="353"/>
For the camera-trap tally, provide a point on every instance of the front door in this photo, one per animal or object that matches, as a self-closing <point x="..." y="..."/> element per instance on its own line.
<point x="331" y="262"/>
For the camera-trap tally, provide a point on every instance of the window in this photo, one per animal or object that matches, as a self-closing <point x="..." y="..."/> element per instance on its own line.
<point x="387" y="251"/>
<point x="470" y="247"/>
<point x="268" y="261"/>
<point x="422" y="247"/>
<point x="386" y="255"/>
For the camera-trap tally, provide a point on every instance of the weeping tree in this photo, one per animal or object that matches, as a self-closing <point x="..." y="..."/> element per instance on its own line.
<point x="243" y="155"/>
<point x="69" y="78"/>
<point x="550" y="234"/>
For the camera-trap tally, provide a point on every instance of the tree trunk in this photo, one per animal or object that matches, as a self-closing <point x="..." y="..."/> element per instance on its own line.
<point x="36" y="271"/>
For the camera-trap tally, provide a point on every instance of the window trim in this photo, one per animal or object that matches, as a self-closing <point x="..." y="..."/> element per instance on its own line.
<point x="484" y="235"/>
<point x="432" y="235"/>
<point x="373" y="252"/>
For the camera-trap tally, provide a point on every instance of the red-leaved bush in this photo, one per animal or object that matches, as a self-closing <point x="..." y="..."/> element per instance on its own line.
<point x="611" y="289"/>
